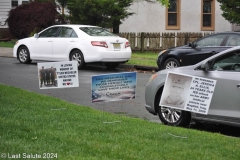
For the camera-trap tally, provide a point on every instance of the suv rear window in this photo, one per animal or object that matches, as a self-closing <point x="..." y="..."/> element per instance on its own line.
<point x="96" y="31"/>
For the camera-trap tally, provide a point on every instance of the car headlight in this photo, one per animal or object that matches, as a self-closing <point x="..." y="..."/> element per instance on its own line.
<point x="153" y="77"/>
<point x="16" y="43"/>
<point x="162" y="52"/>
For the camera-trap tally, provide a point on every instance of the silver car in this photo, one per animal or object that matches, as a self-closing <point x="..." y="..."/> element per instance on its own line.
<point x="224" y="108"/>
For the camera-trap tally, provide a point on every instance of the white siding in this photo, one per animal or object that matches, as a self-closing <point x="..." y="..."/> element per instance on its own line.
<point x="5" y="6"/>
<point x="150" y="17"/>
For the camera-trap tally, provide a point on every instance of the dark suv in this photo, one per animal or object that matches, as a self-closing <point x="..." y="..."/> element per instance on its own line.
<point x="198" y="50"/>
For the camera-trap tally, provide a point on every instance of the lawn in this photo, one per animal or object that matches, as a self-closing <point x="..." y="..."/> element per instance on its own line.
<point x="143" y="59"/>
<point x="33" y="125"/>
<point x="9" y="44"/>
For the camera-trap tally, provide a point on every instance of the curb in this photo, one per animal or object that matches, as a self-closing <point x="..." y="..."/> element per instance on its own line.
<point x="146" y="68"/>
<point x="6" y="52"/>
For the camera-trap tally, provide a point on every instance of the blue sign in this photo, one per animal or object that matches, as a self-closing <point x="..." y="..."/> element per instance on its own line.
<point x="113" y="87"/>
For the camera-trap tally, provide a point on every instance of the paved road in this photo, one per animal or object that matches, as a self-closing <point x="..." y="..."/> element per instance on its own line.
<point x="26" y="77"/>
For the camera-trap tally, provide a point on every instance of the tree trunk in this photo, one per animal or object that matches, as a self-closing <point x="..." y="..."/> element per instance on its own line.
<point x="116" y="24"/>
<point x="62" y="10"/>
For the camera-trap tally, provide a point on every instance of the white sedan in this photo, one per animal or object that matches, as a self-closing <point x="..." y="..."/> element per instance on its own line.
<point x="82" y="43"/>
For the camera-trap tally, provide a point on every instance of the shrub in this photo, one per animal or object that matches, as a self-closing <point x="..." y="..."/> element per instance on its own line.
<point x="26" y="18"/>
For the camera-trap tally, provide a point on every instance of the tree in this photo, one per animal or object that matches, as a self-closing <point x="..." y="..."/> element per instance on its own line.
<point x="231" y="10"/>
<point x="60" y="19"/>
<point x="104" y="13"/>
<point x="34" y="16"/>
<point x="119" y="11"/>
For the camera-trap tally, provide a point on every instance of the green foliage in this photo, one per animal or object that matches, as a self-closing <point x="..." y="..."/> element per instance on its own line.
<point x="25" y="18"/>
<point x="164" y="2"/>
<point x="102" y="13"/>
<point x="62" y="2"/>
<point x="231" y="10"/>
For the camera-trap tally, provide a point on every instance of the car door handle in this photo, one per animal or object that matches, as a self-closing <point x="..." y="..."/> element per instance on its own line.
<point x="49" y="41"/>
<point x="238" y="85"/>
<point x="72" y="41"/>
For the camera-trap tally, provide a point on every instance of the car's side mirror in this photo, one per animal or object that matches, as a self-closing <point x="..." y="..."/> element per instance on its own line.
<point x="36" y="35"/>
<point x="205" y="66"/>
<point x="192" y="44"/>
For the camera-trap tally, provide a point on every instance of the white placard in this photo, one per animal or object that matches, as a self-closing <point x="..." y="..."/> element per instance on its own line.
<point x="58" y="75"/>
<point x="200" y="95"/>
<point x="188" y="93"/>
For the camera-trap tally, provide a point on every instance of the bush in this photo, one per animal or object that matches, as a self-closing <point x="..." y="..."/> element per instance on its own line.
<point x="34" y="16"/>
<point x="5" y="34"/>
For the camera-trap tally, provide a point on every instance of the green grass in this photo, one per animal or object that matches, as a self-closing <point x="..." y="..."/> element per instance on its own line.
<point x="9" y="44"/>
<point x="36" y="124"/>
<point x="143" y="59"/>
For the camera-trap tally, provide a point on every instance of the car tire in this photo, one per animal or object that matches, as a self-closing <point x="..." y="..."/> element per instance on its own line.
<point x="24" y="55"/>
<point x="111" y="65"/>
<point x="171" y="63"/>
<point x="171" y="116"/>
<point x="174" y="117"/>
<point x="77" y="55"/>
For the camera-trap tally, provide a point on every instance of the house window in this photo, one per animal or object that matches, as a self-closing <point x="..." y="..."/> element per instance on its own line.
<point x="173" y="15"/>
<point x="208" y="15"/>
<point x="14" y="3"/>
<point x="24" y="2"/>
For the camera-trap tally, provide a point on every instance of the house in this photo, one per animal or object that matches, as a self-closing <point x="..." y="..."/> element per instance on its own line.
<point x="181" y="16"/>
<point x="5" y="7"/>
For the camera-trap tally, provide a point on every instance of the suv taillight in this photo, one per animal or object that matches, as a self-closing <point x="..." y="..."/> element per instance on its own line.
<point x="99" y="43"/>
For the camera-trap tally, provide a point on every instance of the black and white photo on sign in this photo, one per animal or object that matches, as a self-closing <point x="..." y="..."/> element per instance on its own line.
<point x="47" y="76"/>
<point x="175" y="90"/>
<point x="58" y="75"/>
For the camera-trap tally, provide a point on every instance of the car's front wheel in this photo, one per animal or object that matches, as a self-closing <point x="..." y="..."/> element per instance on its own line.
<point x="174" y="117"/>
<point x="111" y="65"/>
<point x="77" y="56"/>
<point x="24" y="55"/>
<point x="171" y="63"/>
